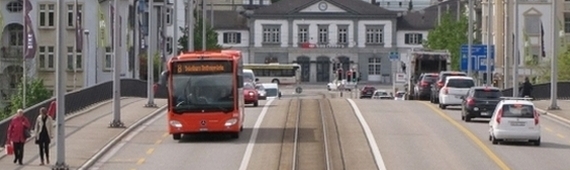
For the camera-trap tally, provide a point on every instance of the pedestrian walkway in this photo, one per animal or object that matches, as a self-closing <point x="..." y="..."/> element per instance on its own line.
<point x="564" y="105"/>
<point x="86" y="133"/>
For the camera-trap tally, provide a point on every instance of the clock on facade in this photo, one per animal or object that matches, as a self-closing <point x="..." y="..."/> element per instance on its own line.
<point x="323" y="6"/>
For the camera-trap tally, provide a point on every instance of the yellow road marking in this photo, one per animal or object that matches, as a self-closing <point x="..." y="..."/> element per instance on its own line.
<point x="471" y="136"/>
<point x="133" y="169"/>
<point x="560" y="135"/>
<point x="165" y="135"/>
<point x="548" y="129"/>
<point x="158" y="142"/>
<point x="149" y="151"/>
<point x="141" y="161"/>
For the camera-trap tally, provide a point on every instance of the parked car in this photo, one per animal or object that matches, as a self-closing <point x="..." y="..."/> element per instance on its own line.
<point x="367" y="92"/>
<point x="435" y="87"/>
<point x="480" y="101"/>
<point x="515" y="119"/>
<point x="250" y="94"/>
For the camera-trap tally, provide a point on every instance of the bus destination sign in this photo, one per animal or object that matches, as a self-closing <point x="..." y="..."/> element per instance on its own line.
<point x="200" y="67"/>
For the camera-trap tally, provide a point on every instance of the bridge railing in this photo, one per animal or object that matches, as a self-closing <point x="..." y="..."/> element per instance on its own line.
<point x="81" y="99"/>
<point x="542" y="91"/>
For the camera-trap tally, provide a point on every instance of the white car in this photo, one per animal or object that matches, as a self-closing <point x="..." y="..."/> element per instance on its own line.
<point x="515" y="119"/>
<point x="271" y="90"/>
<point x="400" y="95"/>
<point x="381" y="94"/>
<point x="332" y="86"/>
<point x="454" y="88"/>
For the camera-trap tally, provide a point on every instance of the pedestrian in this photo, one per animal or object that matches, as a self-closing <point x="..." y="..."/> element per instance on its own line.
<point x="526" y="88"/>
<point x="17" y="134"/>
<point x="44" y="134"/>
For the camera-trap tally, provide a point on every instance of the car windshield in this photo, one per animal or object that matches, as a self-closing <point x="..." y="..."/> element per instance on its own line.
<point x="487" y="93"/>
<point x="271" y="92"/>
<point x="429" y="78"/>
<point x="381" y="94"/>
<point x="460" y="83"/>
<point x="444" y="76"/>
<point x="203" y="93"/>
<point x="248" y="86"/>
<point x="248" y="77"/>
<point x="400" y="94"/>
<point x="518" y="111"/>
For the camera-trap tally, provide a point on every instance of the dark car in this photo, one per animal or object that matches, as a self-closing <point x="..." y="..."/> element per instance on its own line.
<point x="422" y="89"/>
<point x="480" y="102"/>
<point x="367" y="92"/>
<point x="435" y="87"/>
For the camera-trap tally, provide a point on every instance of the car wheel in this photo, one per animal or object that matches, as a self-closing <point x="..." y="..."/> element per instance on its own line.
<point x="537" y="142"/>
<point x="176" y="136"/>
<point x="467" y="118"/>
<point x="234" y="135"/>
<point x="255" y="104"/>
<point x="442" y="106"/>
<point x="494" y="140"/>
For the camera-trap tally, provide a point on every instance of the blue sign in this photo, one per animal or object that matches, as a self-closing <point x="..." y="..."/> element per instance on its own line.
<point x="478" y="57"/>
<point x="394" y="56"/>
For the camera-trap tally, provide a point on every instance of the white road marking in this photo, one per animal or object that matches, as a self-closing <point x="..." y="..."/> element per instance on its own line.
<point x="555" y="118"/>
<point x="251" y="143"/>
<point x="369" y="136"/>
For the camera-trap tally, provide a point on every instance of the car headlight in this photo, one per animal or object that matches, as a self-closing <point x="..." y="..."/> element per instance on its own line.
<point x="231" y="122"/>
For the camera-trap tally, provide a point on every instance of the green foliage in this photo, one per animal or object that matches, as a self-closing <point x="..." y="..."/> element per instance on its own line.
<point x="211" y="38"/>
<point x="36" y="92"/>
<point x="144" y="66"/>
<point x="450" y="35"/>
<point x="543" y="69"/>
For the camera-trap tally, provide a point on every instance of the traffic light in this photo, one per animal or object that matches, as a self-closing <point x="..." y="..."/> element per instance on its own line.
<point x="339" y="74"/>
<point x="348" y="76"/>
<point x="354" y="77"/>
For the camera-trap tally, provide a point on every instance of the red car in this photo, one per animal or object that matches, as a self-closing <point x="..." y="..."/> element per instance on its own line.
<point x="250" y="94"/>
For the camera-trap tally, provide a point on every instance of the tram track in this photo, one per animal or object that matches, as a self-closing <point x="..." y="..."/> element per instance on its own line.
<point x="311" y="139"/>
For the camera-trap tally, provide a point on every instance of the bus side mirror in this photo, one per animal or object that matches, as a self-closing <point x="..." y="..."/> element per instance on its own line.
<point x="163" y="78"/>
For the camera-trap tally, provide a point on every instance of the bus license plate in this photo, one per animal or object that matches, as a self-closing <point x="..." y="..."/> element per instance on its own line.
<point x="517" y="123"/>
<point x="203" y="129"/>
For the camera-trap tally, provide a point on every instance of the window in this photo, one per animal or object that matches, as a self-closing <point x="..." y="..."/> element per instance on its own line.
<point x="256" y="2"/>
<point x="169" y="45"/>
<point x="46" y="57"/>
<point x="232" y="38"/>
<point x="14" y="6"/>
<point x="303" y="35"/>
<point x="247" y="2"/>
<point x="47" y="16"/>
<point x="323" y="34"/>
<point x="374" y="34"/>
<point x="567" y="22"/>
<point x="532" y="24"/>
<point x="533" y="58"/>
<point x="374" y="64"/>
<point x="108" y="65"/>
<point x="343" y="34"/>
<point x="271" y="34"/>
<point x="71" y="19"/>
<point x="16" y="37"/>
<point x="74" y="59"/>
<point x="413" y="38"/>
<point x="168" y="16"/>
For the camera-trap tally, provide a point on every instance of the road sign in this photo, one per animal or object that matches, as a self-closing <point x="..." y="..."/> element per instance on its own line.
<point x="394" y="55"/>
<point x="478" y="57"/>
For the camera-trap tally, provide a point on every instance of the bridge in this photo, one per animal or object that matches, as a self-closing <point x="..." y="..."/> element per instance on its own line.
<point x="354" y="134"/>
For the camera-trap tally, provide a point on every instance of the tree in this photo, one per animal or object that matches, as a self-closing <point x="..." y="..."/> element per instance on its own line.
<point x="36" y="92"/>
<point x="563" y="62"/>
<point x="449" y="35"/>
<point x="144" y="67"/>
<point x="211" y="38"/>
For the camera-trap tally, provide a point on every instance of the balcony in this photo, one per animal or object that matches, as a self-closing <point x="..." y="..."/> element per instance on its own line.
<point x="11" y="54"/>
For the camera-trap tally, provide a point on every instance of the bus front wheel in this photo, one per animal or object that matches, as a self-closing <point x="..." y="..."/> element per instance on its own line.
<point x="275" y="81"/>
<point x="234" y="135"/>
<point x="176" y="136"/>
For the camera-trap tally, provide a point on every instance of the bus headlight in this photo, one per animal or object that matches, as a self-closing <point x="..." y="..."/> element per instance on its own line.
<point x="175" y="123"/>
<point x="231" y="122"/>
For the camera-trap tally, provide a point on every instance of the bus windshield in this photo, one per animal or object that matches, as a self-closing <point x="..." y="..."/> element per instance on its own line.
<point x="203" y="93"/>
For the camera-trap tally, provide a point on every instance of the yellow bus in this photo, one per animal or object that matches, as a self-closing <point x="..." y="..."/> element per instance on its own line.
<point x="285" y="74"/>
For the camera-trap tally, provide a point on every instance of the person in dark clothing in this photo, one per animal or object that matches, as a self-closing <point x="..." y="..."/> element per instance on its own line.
<point x="526" y="88"/>
<point x="43" y="129"/>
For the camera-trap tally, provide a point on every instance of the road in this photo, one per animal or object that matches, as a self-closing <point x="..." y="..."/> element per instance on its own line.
<point x="407" y="135"/>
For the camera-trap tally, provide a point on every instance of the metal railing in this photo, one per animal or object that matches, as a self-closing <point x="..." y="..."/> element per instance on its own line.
<point x="84" y="98"/>
<point x="11" y="53"/>
<point x="542" y="91"/>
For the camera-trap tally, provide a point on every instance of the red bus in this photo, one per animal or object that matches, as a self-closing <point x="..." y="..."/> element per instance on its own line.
<point x="205" y="92"/>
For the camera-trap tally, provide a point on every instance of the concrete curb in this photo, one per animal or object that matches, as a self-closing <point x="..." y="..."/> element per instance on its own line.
<point x="118" y="138"/>
<point x="553" y="116"/>
<point x="68" y="117"/>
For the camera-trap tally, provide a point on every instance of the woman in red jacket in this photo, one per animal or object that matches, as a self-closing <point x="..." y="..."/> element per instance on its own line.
<point x="17" y="134"/>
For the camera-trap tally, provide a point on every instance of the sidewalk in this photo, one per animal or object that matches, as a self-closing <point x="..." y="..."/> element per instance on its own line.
<point x="564" y="105"/>
<point x="86" y="134"/>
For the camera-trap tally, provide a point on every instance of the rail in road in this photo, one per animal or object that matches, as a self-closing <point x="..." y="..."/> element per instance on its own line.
<point x="87" y="132"/>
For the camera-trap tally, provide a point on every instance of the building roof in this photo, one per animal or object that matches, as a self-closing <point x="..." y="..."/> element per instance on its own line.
<point x="425" y="19"/>
<point x="353" y="7"/>
<point x="228" y="20"/>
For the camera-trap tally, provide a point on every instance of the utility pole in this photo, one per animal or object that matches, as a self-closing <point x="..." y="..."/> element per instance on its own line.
<point x="516" y="55"/>
<point x="190" y="20"/>
<point x="489" y="41"/>
<point x="150" y="57"/>
<point x="136" y="40"/>
<point x="116" y="123"/>
<point x="60" y="85"/>
<point x="204" y="25"/>
<point x="175" y="29"/>
<point x="470" y="39"/>
<point x="554" y="61"/>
